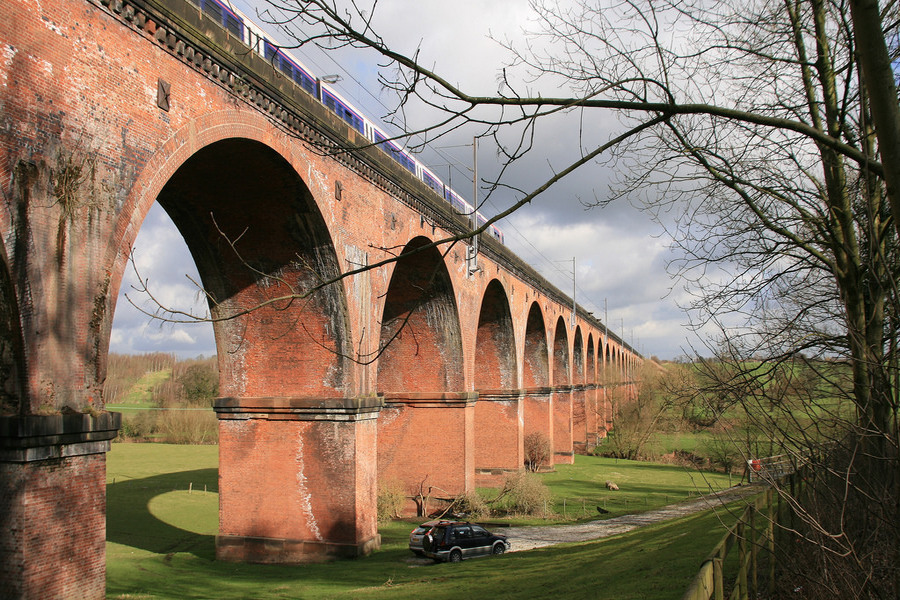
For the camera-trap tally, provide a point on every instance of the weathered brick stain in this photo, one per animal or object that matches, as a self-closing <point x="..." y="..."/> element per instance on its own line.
<point x="240" y="163"/>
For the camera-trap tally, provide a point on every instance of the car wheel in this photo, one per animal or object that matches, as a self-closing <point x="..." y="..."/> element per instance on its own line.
<point x="456" y="556"/>
<point x="498" y="549"/>
<point x="428" y="542"/>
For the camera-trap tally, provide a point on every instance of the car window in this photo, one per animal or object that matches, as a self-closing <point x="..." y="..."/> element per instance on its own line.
<point x="479" y="531"/>
<point x="438" y="534"/>
<point x="461" y="533"/>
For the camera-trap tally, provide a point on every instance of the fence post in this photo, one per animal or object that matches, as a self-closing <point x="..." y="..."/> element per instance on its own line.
<point x="754" y="550"/>
<point x="718" y="579"/>
<point x="770" y="532"/>
<point x="742" y="560"/>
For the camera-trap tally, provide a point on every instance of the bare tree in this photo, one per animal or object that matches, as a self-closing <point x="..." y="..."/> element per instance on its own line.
<point x="763" y="127"/>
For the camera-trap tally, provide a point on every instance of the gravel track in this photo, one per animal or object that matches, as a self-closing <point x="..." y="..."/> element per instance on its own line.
<point x="529" y="538"/>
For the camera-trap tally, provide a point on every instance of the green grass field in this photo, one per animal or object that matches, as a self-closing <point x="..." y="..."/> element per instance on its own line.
<point x="163" y="514"/>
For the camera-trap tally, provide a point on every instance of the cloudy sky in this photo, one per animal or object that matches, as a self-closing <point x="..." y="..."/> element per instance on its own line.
<point x="621" y="255"/>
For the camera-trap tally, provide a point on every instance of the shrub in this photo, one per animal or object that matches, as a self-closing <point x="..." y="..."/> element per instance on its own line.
<point x="469" y="505"/>
<point x="537" y="451"/>
<point x="138" y="424"/>
<point x="189" y="427"/>
<point x="525" y="494"/>
<point x="391" y="497"/>
<point x="200" y="383"/>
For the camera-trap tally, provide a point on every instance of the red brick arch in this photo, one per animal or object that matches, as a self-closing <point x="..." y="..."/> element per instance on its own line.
<point x="499" y="410"/>
<point x="561" y="373"/>
<point x="221" y="153"/>
<point x="562" y="394"/>
<point x="535" y="363"/>
<point x="421" y="344"/>
<point x="495" y="344"/>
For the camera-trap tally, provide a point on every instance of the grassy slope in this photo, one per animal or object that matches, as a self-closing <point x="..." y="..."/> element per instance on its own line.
<point x="140" y="395"/>
<point x="161" y="544"/>
<point x="642" y="486"/>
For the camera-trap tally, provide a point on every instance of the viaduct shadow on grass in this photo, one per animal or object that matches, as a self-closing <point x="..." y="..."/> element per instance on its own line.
<point x="130" y="521"/>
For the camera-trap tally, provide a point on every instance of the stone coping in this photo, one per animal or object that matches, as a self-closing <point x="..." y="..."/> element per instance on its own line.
<point x="499" y="395"/>
<point x="31" y="438"/>
<point x="538" y="391"/>
<point x="430" y="399"/>
<point x="299" y="408"/>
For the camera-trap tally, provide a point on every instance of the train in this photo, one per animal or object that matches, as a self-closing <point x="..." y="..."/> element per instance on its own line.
<point x="256" y="39"/>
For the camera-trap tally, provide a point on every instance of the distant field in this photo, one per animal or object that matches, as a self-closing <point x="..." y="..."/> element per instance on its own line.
<point x="163" y="515"/>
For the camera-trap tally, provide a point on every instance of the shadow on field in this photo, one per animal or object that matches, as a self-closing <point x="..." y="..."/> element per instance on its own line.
<point x="129" y="521"/>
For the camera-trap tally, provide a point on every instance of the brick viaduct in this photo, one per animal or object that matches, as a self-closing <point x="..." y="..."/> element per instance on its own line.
<point x="415" y="370"/>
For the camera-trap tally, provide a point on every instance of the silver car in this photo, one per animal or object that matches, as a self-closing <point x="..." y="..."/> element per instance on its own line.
<point x="417" y="536"/>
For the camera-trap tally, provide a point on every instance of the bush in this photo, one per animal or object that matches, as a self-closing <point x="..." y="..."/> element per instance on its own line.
<point x="138" y="425"/>
<point x="391" y="497"/>
<point x="525" y="494"/>
<point x="537" y="451"/>
<point x="189" y="427"/>
<point x="469" y="505"/>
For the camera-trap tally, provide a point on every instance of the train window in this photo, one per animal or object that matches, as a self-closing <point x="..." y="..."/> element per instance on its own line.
<point x="232" y="23"/>
<point x="269" y="51"/>
<point x="432" y="182"/>
<point x="305" y="81"/>
<point x="341" y="110"/>
<point x="212" y="10"/>
<point x="285" y="66"/>
<point x="223" y="16"/>
<point x="457" y="203"/>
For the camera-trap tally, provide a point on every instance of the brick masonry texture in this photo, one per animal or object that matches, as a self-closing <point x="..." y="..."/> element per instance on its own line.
<point x="240" y="162"/>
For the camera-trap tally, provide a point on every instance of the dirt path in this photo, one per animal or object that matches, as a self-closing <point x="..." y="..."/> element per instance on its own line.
<point x="529" y="538"/>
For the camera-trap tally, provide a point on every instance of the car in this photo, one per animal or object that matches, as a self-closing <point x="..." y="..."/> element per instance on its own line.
<point x="417" y="535"/>
<point x="453" y="541"/>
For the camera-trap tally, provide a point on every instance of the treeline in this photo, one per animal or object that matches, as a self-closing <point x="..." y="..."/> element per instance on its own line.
<point x="124" y="371"/>
<point x="712" y="414"/>
<point x="162" y="398"/>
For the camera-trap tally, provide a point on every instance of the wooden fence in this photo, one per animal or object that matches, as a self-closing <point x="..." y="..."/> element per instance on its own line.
<point x="754" y="538"/>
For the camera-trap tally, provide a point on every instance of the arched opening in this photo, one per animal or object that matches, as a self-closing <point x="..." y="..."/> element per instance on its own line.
<point x="562" y="396"/>
<point x="495" y="344"/>
<point x="537" y="409"/>
<point x="561" y="353"/>
<point x="427" y="421"/>
<point x="590" y="375"/>
<point x="578" y="357"/>
<point x="421" y="344"/>
<point x="261" y="248"/>
<point x="579" y="394"/>
<point x="261" y="245"/>
<point x="498" y="412"/>
<point x="591" y="394"/>
<point x="536" y="366"/>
